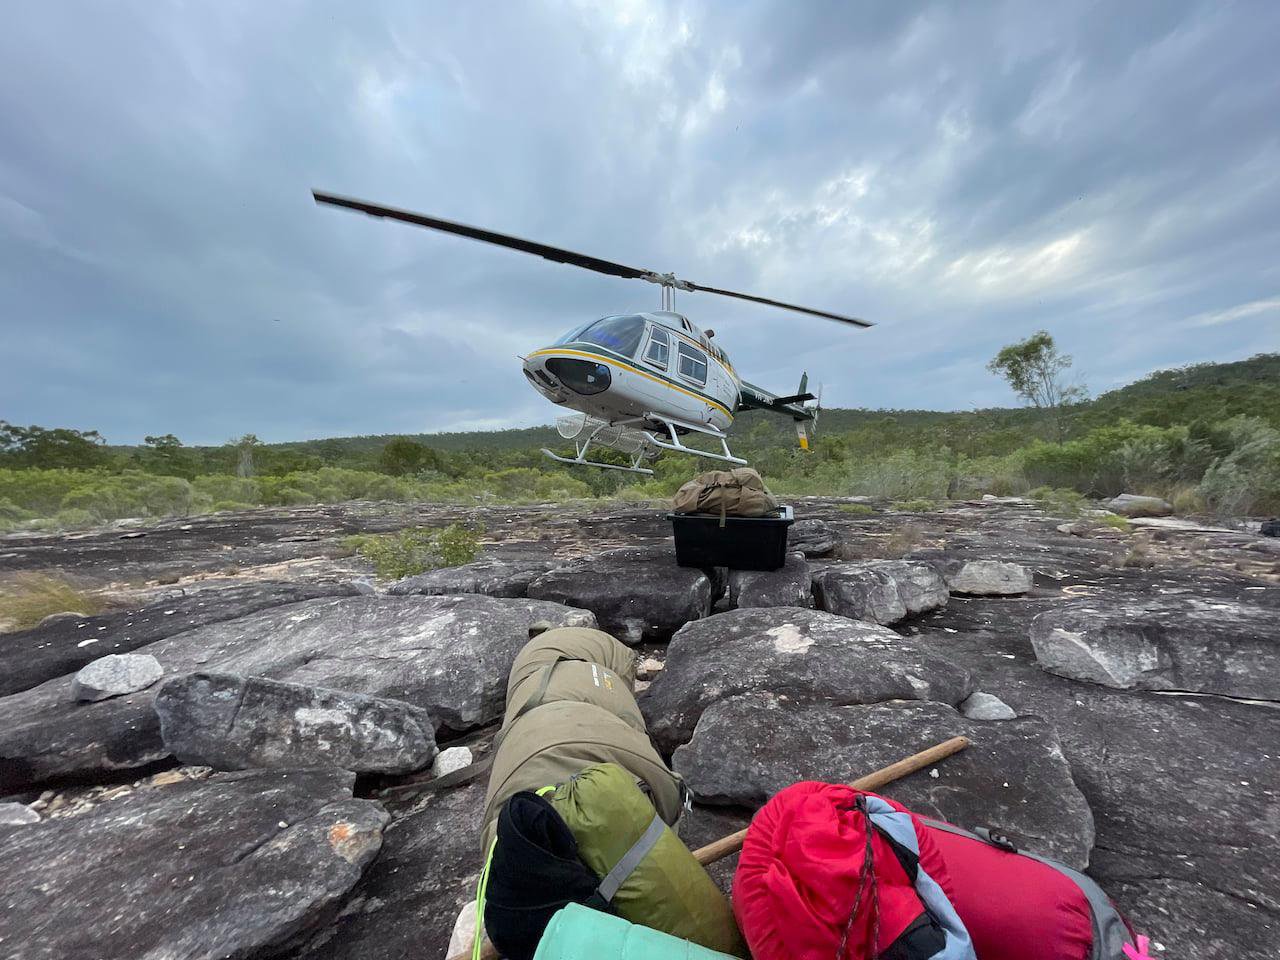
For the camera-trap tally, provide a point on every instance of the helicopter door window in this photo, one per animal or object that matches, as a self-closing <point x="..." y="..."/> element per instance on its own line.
<point x="659" y="349"/>
<point x="693" y="363"/>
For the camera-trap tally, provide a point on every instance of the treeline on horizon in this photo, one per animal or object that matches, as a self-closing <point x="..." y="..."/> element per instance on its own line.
<point x="1206" y="436"/>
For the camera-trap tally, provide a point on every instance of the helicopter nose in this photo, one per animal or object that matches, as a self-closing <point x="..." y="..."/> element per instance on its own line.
<point x="584" y="377"/>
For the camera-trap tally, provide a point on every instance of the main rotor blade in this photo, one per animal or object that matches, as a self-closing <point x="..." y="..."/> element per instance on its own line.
<point x="560" y="255"/>
<point x="557" y="254"/>
<point x="839" y="318"/>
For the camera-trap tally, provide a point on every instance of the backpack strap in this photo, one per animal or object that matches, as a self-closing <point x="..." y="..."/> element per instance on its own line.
<point x="627" y="864"/>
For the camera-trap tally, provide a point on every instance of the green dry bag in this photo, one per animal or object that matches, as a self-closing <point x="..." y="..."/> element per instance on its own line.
<point x="648" y="876"/>
<point x="579" y="933"/>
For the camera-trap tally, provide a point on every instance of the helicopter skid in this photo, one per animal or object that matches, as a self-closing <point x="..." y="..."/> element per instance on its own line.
<point x="674" y="443"/>
<point x="581" y="461"/>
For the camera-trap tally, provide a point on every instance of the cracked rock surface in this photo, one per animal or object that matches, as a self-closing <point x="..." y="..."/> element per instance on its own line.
<point x="447" y="655"/>
<point x="238" y="865"/>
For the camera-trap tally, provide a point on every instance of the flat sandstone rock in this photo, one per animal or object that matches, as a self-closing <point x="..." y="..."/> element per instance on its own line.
<point x="230" y="722"/>
<point x="793" y="652"/>
<point x="237" y="865"/>
<point x="1012" y="778"/>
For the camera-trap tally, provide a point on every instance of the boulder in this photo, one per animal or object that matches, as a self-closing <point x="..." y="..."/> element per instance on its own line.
<point x="230" y="722"/>
<point x="447" y="655"/>
<point x="237" y="865"/>
<point x="879" y="591"/>
<point x="793" y="652"/>
<point x="1133" y="505"/>
<point x="115" y="675"/>
<point x="1164" y="643"/>
<point x="791" y="586"/>
<point x="813" y="538"/>
<point x="636" y="593"/>
<point x="451" y="760"/>
<point x="494" y="578"/>
<point x="1012" y="778"/>
<point x="63" y="646"/>
<point x="986" y="706"/>
<point x="988" y="578"/>
<point x="17" y="815"/>
<point x="405" y="905"/>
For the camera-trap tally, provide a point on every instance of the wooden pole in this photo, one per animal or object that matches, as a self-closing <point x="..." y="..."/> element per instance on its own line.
<point x="727" y="846"/>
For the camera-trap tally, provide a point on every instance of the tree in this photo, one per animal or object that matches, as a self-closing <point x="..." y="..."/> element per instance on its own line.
<point x="166" y="455"/>
<point x="244" y="454"/>
<point x="1037" y="372"/>
<point x="60" y="447"/>
<point x="402" y="455"/>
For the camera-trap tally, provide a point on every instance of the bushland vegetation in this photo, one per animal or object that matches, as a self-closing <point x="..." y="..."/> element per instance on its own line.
<point x="1206" y="437"/>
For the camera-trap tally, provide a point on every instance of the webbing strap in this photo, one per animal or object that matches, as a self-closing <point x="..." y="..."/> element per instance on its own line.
<point x="631" y="859"/>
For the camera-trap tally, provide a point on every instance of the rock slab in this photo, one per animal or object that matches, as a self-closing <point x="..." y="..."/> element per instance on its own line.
<point x="636" y="593"/>
<point x="879" y="591"/>
<point x="494" y="578"/>
<point x="790" y="586"/>
<point x="1133" y="505"/>
<point x="448" y="655"/>
<point x="62" y="646"/>
<point x="17" y="815"/>
<point x="792" y="652"/>
<point x="1012" y="778"/>
<point x="812" y="537"/>
<point x="237" y="865"/>
<point x="230" y="722"/>
<point x="1164" y="643"/>
<point x="405" y="905"/>
<point x="989" y="578"/>
<point x="115" y="675"/>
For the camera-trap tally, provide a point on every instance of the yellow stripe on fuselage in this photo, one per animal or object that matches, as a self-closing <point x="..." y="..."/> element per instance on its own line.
<point x="598" y="358"/>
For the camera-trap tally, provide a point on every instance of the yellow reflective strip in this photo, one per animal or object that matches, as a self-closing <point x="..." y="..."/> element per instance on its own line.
<point x="626" y="366"/>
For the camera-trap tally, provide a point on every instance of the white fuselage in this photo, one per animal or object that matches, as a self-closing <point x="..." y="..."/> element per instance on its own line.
<point x="633" y="366"/>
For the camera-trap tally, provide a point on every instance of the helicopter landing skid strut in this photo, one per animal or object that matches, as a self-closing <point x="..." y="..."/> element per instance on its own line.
<point x="675" y="444"/>
<point x="581" y="446"/>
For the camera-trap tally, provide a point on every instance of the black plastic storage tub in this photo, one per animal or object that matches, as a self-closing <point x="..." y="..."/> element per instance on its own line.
<point x="742" y="543"/>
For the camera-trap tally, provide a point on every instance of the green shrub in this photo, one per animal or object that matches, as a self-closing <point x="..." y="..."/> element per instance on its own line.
<point x="415" y="550"/>
<point x="1115" y="522"/>
<point x="1059" y="501"/>
<point x="918" y="505"/>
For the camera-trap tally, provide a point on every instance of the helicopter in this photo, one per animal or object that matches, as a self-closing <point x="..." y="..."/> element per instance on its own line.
<point x="639" y="383"/>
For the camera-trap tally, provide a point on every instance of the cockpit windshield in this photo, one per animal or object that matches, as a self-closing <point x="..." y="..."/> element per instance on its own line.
<point x="621" y="334"/>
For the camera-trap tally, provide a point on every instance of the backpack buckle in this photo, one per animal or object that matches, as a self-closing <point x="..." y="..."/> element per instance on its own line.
<point x="996" y="839"/>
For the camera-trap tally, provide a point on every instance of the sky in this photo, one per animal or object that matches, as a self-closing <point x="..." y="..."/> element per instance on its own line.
<point x="961" y="174"/>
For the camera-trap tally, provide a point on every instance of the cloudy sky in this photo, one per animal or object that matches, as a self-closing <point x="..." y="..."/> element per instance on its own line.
<point x="963" y="174"/>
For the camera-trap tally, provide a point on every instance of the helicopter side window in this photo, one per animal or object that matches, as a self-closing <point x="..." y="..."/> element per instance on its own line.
<point x="693" y="363"/>
<point x="621" y="334"/>
<point x="659" y="350"/>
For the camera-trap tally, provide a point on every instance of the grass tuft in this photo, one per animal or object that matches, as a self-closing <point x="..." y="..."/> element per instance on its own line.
<point x="27" y="598"/>
<point x="415" y="550"/>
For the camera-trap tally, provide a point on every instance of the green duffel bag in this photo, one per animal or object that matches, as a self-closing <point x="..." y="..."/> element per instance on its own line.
<point x="648" y="876"/>
<point x="564" y="679"/>
<point x="571" y="643"/>
<point x="558" y="740"/>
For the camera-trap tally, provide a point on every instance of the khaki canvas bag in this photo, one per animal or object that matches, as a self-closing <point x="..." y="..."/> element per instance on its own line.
<point x="733" y="493"/>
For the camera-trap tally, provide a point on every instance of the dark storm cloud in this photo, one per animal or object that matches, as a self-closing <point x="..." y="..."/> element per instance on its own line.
<point x="964" y="174"/>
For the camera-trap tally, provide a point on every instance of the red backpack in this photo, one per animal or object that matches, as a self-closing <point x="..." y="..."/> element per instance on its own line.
<point x="828" y="873"/>
<point x="831" y="873"/>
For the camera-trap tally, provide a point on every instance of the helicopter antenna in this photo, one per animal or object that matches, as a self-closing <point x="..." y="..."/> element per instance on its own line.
<point x="669" y="282"/>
